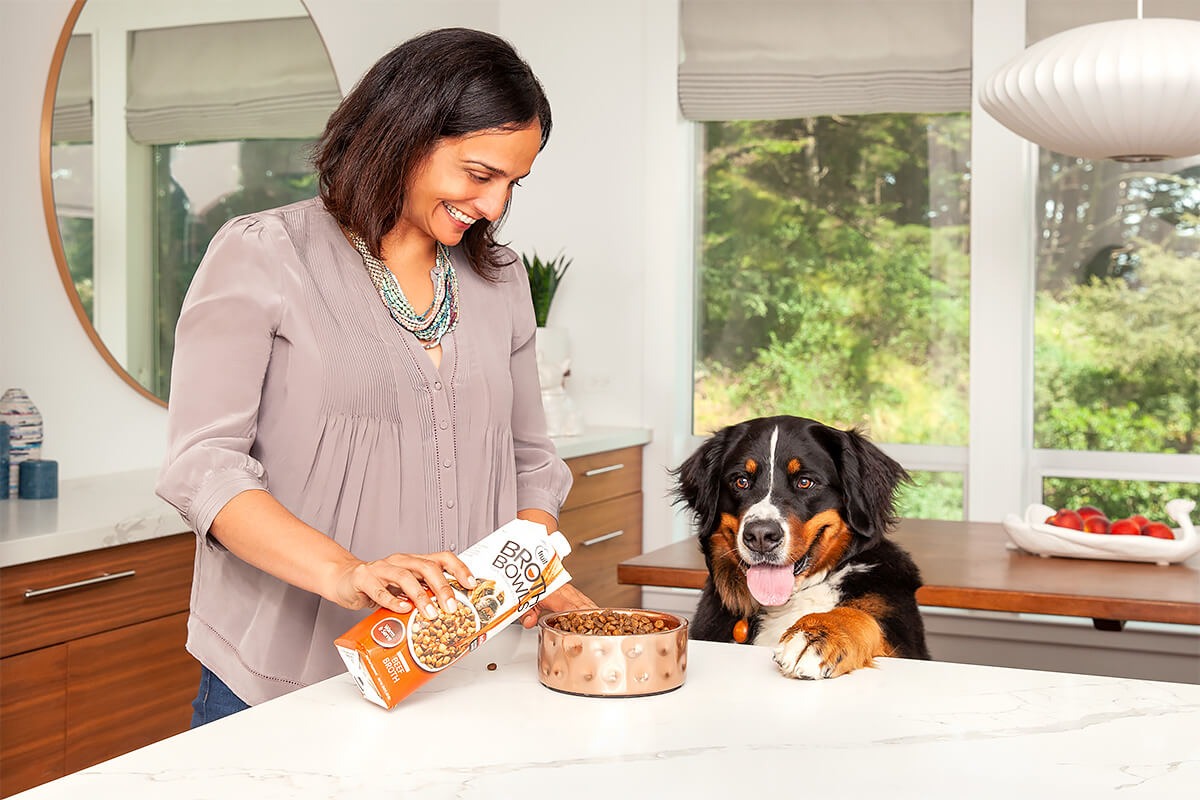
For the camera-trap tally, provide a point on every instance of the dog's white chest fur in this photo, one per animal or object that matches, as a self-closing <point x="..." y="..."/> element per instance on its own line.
<point x="818" y="593"/>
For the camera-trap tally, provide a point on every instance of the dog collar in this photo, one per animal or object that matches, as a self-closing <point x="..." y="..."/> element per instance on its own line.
<point x="741" y="631"/>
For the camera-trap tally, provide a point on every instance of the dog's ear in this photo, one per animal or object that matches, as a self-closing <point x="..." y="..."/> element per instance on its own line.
<point x="698" y="480"/>
<point x="870" y="479"/>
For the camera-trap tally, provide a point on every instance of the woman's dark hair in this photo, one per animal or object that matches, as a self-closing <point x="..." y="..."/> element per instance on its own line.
<point x="445" y="83"/>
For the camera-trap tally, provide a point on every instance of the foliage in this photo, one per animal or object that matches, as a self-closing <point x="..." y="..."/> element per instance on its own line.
<point x="932" y="495"/>
<point x="834" y="275"/>
<point x="1119" y="368"/>
<point x="834" y="284"/>
<point x="78" y="243"/>
<point x="544" y="277"/>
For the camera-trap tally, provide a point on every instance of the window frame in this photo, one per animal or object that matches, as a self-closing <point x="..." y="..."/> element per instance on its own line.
<point x="1002" y="470"/>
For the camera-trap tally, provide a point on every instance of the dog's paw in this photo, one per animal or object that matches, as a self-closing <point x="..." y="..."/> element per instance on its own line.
<point x="796" y="657"/>
<point x="829" y="644"/>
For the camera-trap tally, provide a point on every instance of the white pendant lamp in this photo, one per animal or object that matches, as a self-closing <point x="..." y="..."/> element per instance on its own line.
<point x="1128" y="90"/>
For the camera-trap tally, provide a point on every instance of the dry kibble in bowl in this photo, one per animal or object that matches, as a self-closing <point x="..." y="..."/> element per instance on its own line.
<point x="607" y="623"/>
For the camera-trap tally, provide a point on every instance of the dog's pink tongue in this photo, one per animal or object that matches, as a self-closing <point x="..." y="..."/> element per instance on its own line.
<point x="770" y="585"/>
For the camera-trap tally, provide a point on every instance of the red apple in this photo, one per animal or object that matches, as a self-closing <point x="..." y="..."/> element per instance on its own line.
<point x="1158" y="530"/>
<point x="1066" y="518"/>
<point x="1097" y="523"/>
<point x="1140" y="520"/>
<point x="1090" y="511"/>
<point x="1125" y="527"/>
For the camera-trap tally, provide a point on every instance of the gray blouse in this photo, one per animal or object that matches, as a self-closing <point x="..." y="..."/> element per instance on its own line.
<point x="290" y="375"/>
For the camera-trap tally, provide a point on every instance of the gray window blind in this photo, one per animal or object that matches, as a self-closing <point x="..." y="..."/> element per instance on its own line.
<point x="264" y="79"/>
<point x="780" y="59"/>
<point x="73" y="97"/>
<point x="1048" y="17"/>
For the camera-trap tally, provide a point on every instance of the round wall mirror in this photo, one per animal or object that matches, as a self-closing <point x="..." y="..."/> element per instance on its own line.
<point x="161" y="122"/>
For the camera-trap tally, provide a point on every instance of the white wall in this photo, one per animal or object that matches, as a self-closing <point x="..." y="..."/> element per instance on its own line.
<point x="612" y="190"/>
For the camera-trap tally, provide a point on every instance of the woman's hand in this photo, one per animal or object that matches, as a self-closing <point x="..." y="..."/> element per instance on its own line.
<point x="419" y="581"/>
<point x="567" y="598"/>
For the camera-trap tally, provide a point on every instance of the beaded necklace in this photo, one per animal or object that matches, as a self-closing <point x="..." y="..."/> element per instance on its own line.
<point x="441" y="316"/>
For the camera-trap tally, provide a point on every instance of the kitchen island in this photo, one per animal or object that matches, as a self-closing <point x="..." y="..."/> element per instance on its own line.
<point x="906" y="729"/>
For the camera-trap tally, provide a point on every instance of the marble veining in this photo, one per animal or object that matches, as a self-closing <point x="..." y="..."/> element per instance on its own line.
<point x="736" y="727"/>
<point x="89" y="514"/>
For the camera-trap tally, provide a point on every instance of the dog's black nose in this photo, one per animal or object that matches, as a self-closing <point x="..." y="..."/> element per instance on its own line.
<point x="762" y="535"/>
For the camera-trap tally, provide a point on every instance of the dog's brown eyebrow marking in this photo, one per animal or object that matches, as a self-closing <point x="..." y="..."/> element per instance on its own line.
<point x="793" y="466"/>
<point x="751" y="466"/>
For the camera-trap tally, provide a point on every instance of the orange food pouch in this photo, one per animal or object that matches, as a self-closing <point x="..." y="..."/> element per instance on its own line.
<point x="390" y="655"/>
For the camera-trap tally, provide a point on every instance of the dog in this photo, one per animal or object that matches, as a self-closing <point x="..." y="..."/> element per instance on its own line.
<point x="791" y="516"/>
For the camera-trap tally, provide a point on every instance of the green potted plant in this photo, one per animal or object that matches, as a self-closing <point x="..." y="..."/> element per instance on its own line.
<point x="552" y="345"/>
<point x="544" y="277"/>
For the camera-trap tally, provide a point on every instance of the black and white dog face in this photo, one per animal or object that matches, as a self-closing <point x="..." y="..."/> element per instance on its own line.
<point x="780" y="498"/>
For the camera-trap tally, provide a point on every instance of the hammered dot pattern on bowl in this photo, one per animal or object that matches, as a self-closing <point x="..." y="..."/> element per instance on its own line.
<point x="614" y="665"/>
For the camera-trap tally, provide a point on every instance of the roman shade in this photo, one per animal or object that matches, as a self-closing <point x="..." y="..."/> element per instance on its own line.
<point x="1048" y="17"/>
<point x="780" y="59"/>
<point x="73" y="97"/>
<point x="262" y="79"/>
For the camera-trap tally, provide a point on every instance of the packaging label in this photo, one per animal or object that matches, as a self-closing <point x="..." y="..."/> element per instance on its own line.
<point x="388" y="632"/>
<point x="390" y="655"/>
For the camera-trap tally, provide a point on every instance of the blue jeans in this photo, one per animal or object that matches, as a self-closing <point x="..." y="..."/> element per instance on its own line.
<point x="214" y="700"/>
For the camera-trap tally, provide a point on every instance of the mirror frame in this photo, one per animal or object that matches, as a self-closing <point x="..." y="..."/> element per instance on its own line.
<point x="56" y="245"/>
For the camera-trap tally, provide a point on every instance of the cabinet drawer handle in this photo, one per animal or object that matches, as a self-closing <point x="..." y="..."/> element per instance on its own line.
<point x="604" y="538"/>
<point x="105" y="578"/>
<point x="602" y="470"/>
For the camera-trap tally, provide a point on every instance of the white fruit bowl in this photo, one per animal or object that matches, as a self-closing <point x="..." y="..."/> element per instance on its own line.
<point x="1033" y="535"/>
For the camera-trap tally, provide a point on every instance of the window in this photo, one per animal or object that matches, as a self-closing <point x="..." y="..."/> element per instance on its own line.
<point x="1116" y="329"/>
<point x="834" y="277"/>
<point x="833" y="264"/>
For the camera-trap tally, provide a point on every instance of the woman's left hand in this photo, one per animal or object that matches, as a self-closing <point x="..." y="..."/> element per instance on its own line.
<point x="565" y="599"/>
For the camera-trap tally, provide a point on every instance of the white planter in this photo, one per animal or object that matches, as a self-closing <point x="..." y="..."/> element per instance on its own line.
<point x="553" y="347"/>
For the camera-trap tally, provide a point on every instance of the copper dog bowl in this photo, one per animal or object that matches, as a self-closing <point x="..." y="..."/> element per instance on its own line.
<point x="613" y="666"/>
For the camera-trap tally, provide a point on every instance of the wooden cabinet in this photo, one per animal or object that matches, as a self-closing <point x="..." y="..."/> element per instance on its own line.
<point x="98" y="668"/>
<point x="602" y="518"/>
<point x="33" y="718"/>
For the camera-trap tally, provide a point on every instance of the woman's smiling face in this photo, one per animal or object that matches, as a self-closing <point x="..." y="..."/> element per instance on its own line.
<point x="466" y="179"/>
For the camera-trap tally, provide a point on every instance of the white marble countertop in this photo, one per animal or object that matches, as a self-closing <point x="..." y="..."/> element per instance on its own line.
<point x="908" y="729"/>
<point x="88" y="514"/>
<point x="107" y="510"/>
<point x="598" y="439"/>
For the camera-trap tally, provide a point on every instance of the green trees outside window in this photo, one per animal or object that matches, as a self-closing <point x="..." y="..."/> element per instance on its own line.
<point x="834" y="277"/>
<point x="834" y="280"/>
<point x="1117" y="321"/>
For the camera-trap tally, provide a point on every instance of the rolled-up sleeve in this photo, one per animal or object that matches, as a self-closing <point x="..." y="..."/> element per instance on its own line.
<point x="543" y="479"/>
<point x="223" y="345"/>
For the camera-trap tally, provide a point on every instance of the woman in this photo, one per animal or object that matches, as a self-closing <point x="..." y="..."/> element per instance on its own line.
<point x="323" y="430"/>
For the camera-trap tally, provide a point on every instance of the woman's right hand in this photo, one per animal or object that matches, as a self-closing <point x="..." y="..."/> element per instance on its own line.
<point x="419" y="579"/>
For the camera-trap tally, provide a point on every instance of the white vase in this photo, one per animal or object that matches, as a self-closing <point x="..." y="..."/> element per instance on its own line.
<point x="553" y="348"/>
<point x="25" y="431"/>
